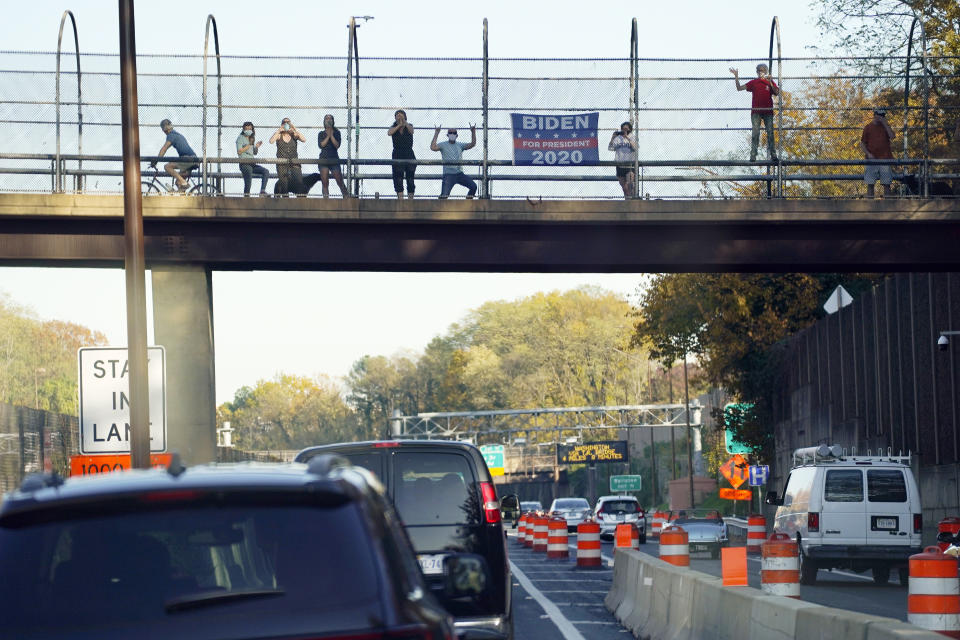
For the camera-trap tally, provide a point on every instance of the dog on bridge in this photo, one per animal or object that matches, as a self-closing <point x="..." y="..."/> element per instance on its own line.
<point x="938" y="188"/>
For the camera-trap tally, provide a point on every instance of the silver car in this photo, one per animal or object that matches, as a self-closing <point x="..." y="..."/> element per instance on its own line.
<point x="573" y="510"/>
<point x="705" y="529"/>
<point x="613" y="510"/>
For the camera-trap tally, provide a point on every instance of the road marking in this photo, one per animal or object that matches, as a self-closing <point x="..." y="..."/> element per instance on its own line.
<point x="594" y="622"/>
<point x="835" y="571"/>
<point x="607" y="558"/>
<point x="573" y="579"/>
<point x="574" y="591"/>
<point x="566" y="628"/>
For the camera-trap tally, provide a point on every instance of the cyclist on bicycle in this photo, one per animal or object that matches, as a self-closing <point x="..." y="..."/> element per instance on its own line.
<point x="176" y="140"/>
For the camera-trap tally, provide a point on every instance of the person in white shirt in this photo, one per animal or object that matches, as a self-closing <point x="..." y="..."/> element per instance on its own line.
<point x="624" y="147"/>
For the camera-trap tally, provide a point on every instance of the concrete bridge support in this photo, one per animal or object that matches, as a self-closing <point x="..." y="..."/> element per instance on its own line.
<point x="183" y="325"/>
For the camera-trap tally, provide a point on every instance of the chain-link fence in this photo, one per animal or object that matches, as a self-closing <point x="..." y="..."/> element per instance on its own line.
<point x="693" y="127"/>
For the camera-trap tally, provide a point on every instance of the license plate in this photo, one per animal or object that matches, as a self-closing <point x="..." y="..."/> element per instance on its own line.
<point x="431" y="564"/>
<point x="700" y="547"/>
<point x="886" y="523"/>
<point x="620" y="517"/>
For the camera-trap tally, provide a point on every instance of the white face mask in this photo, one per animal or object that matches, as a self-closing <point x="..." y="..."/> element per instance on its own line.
<point x="248" y="132"/>
<point x="452" y="137"/>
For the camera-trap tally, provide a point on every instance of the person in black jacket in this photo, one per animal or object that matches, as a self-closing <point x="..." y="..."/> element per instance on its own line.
<point x="402" y="134"/>
<point x="329" y="142"/>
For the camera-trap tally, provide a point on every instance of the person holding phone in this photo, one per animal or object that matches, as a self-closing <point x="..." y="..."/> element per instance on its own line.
<point x="329" y="142"/>
<point x="402" y="134"/>
<point x="624" y="147"/>
<point x="289" y="176"/>
<point x="247" y="147"/>
<point x="761" y="108"/>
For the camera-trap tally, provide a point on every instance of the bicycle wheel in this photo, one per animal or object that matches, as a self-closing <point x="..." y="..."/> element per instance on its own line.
<point x="208" y="189"/>
<point x="149" y="189"/>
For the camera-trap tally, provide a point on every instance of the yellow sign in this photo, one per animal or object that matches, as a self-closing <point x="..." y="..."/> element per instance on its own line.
<point x="734" y="494"/>
<point x="606" y="451"/>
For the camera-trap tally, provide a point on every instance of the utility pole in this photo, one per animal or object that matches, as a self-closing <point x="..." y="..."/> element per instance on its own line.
<point x="673" y="435"/>
<point x="686" y="393"/>
<point x="134" y="260"/>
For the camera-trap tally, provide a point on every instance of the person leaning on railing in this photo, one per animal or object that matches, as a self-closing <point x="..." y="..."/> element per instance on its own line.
<point x="176" y="140"/>
<point x="247" y="147"/>
<point x="289" y="176"/>
<point x="402" y="134"/>
<point x="875" y="145"/>
<point x="624" y="147"/>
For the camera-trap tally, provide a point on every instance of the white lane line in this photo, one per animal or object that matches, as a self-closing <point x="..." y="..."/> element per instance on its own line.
<point x="595" y="622"/>
<point x="574" y="591"/>
<point x="573" y="579"/>
<point x="566" y="628"/>
<point x="834" y="572"/>
<point x="607" y="558"/>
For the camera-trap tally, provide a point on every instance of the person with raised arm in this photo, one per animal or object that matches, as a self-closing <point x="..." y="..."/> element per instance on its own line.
<point x="402" y="134"/>
<point x="761" y="108"/>
<point x="329" y="142"/>
<point x="289" y="176"/>
<point x="247" y="147"/>
<point x="452" y="153"/>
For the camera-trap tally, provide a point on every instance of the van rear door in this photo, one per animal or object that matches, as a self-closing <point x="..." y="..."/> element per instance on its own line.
<point x="889" y="520"/>
<point x="844" y="507"/>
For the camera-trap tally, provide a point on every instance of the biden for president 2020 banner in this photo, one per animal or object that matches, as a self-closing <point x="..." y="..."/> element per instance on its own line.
<point x="555" y="140"/>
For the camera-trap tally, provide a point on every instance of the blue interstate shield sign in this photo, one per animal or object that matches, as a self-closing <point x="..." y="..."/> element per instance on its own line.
<point x="569" y="139"/>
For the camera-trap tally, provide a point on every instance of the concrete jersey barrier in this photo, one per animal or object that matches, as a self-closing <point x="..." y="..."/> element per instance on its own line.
<point x="659" y="601"/>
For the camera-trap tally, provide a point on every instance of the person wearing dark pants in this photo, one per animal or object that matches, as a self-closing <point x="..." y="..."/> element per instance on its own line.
<point x="761" y="108"/>
<point x="329" y="142"/>
<point x="402" y="134"/>
<point x="289" y="176"/>
<point x="452" y="153"/>
<point x="247" y="147"/>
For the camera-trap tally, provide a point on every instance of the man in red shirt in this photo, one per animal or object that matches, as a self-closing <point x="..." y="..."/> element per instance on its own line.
<point x="875" y="144"/>
<point x="761" y="108"/>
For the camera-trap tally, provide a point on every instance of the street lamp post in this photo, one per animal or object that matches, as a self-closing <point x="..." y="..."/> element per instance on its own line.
<point x="653" y="444"/>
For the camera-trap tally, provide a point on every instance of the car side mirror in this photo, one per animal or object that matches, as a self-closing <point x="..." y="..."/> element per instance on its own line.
<point x="510" y="507"/>
<point x="465" y="575"/>
<point x="946" y="536"/>
<point x="773" y="498"/>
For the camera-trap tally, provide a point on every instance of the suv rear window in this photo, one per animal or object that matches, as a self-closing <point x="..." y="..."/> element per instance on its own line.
<point x="435" y="488"/>
<point x="131" y="567"/>
<point x="886" y="485"/>
<point x="620" y="506"/>
<point x="572" y="503"/>
<point x="844" y="485"/>
<point x="372" y="462"/>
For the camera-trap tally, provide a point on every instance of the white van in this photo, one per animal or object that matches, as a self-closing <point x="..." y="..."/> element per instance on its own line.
<point x="851" y="512"/>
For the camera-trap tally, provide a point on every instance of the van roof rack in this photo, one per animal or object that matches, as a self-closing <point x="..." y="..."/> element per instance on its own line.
<point x="836" y="453"/>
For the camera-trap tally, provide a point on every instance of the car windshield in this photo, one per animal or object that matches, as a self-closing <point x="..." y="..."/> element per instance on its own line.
<point x="696" y="515"/>
<point x="570" y="503"/>
<point x="187" y="564"/>
<point x="620" y="506"/>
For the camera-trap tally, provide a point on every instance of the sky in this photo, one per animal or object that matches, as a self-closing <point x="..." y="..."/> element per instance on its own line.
<point x="321" y="323"/>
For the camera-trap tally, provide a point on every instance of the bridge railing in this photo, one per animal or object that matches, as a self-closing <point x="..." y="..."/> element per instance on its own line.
<point x="693" y="127"/>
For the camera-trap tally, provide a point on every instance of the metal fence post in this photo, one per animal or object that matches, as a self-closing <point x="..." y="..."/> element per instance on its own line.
<point x="485" y="180"/>
<point x="216" y="44"/>
<point x="76" y="48"/>
<point x="775" y="32"/>
<point x="634" y="102"/>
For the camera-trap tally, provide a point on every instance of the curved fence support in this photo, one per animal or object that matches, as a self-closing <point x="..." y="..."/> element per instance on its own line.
<point x="775" y="32"/>
<point x="485" y="177"/>
<point x="351" y="38"/>
<point x="924" y="168"/>
<point x="635" y="100"/>
<point x="216" y="45"/>
<point x="58" y="169"/>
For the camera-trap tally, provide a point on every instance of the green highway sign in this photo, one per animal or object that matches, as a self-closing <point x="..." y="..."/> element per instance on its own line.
<point x="493" y="456"/>
<point x="619" y="484"/>
<point x="733" y="445"/>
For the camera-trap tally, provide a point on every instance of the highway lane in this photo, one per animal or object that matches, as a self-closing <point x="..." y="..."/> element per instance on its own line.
<point x="840" y="589"/>
<point x="554" y="599"/>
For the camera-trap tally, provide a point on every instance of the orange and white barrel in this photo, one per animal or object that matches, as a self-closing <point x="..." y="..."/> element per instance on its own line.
<point x="626" y="537"/>
<point x="756" y="532"/>
<point x="658" y="519"/>
<point x="521" y="528"/>
<point x="933" y="602"/>
<point x="528" y="532"/>
<point x="780" y="566"/>
<point x="588" y="545"/>
<point x="675" y="546"/>
<point x="557" y="538"/>
<point x="540" y="534"/>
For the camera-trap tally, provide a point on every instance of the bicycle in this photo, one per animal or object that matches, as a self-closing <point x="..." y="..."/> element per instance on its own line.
<point x="154" y="186"/>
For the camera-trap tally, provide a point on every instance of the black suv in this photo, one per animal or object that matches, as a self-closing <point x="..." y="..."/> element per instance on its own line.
<point x="447" y="502"/>
<point x="220" y="551"/>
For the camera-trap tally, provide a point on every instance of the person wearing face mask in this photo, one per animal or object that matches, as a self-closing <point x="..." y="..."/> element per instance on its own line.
<point x="247" y="147"/>
<point x="289" y="176"/>
<point x="761" y="108"/>
<point x="329" y="142"/>
<point x="624" y="147"/>
<point x="402" y="134"/>
<point x="452" y="153"/>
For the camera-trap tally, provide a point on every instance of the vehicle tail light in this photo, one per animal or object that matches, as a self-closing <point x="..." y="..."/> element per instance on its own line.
<point x="813" y="521"/>
<point x="491" y="508"/>
<point x="918" y="523"/>
<point x="383" y="445"/>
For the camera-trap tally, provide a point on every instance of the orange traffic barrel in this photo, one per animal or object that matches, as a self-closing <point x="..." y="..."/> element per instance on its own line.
<point x="675" y="546"/>
<point x="756" y="532"/>
<point x="933" y="602"/>
<point x="657" y="524"/>
<point x="521" y="528"/>
<point x="780" y="566"/>
<point x="627" y="537"/>
<point x="557" y="538"/>
<point x="540" y="534"/>
<point x="951" y="525"/>
<point x="588" y="545"/>
<point x="528" y="532"/>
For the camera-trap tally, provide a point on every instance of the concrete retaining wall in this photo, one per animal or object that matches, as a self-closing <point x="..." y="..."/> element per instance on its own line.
<point x="658" y="601"/>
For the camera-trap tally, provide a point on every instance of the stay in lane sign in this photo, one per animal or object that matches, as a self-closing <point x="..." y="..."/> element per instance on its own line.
<point x="105" y="400"/>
